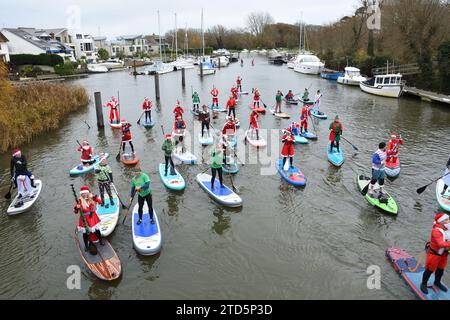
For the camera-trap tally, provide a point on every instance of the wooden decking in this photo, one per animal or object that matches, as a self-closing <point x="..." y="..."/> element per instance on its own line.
<point x="427" y="95"/>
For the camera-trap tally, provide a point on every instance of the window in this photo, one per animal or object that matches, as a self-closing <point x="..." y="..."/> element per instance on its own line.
<point x="79" y="36"/>
<point x="81" y="47"/>
<point x="379" y="81"/>
<point x="88" y="46"/>
<point x="131" y="49"/>
<point x="386" y="80"/>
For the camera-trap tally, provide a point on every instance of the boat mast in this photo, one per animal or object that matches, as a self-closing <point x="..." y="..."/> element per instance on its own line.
<point x="186" y="41"/>
<point x="301" y="30"/>
<point x="203" y="38"/>
<point x="160" y="43"/>
<point x="176" y="38"/>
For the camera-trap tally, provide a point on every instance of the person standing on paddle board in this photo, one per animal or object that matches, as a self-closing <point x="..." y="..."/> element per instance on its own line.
<point x="278" y="99"/>
<point x="231" y="106"/>
<point x="234" y="92"/>
<point x="205" y="118"/>
<point x="254" y="116"/>
<point x="19" y="167"/>
<point x="239" y="82"/>
<point x="317" y="101"/>
<point x="86" y="153"/>
<point x="215" y="94"/>
<point x="178" y="111"/>
<point x="256" y="98"/>
<point x="126" y="136"/>
<point x="87" y="202"/>
<point x="446" y="178"/>
<point x="288" y="150"/>
<point x="229" y="129"/>
<point x="437" y="253"/>
<point x="217" y="157"/>
<point x="147" y="107"/>
<point x="378" y="168"/>
<point x="195" y="101"/>
<point x="393" y="146"/>
<point x="140" y="184"/>
<point x="113" y="105"/>
<point x="306" y="113"/>
<point x="179" y="128"/>
<point x="168" y="147"/>
<point x="336" y="130"/>
<point x="104" y="177"/>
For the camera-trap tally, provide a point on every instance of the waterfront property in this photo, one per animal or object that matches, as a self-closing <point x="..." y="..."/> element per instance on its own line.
<point x="4" y="51"/>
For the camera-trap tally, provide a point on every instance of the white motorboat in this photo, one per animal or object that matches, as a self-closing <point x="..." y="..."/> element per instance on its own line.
<point x="352" y="77"/>
<point x="96" y="68"/>
<point x="385" y="85"/>
<point x="222" y="60"/>
<point x="182" y="63"/>
<point x="158" y="67"/>
<point x="308" y="64"/>
<point x="208" y="68"/>
<point x="112" y="64"/>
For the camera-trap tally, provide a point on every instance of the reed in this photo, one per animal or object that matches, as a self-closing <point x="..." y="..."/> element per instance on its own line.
<point x="32" y="109"/>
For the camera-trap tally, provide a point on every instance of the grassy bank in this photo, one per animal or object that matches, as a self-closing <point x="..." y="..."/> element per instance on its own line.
<point x="29" y="110"/>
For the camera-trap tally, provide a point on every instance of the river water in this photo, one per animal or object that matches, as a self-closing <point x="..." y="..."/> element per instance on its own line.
<point x="315" y="242"/>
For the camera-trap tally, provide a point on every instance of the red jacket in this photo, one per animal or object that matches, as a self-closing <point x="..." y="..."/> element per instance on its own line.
<point x="437" y="241"/>
<point x="147" y="105"/>
<point x="215" y="92"/>
<point x="231" y="103"/>
<point x="394" y="144"/>
<point x="254" y="119"/>
<point x="86" y="154"/>
<point x="229" y="128"/>
<point x="306" y="112"/>
<point x="256" y="96"/>
<point x="178" y="111"/>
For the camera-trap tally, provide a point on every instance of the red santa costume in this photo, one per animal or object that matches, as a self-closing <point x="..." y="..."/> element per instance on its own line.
<point x="306" y="112"/>
<point x="126" y="132"/>
<point x="86" y="152"/>
<point x="147" y="105"/>
<point x="179" y="124"/>
<point x="234" y="93"/>
<point x="288" y="141"/>
<point x="215" y="94"/>
<point x="239" y="83"/>
<point x="393" y="146"/>
<point x="254" y="116"/>
<point x="88" y="206"/>
<point x="230" y="127"/>
<point x="178" y="111"/>
<point x="113" y="110"/>
<point x="256" y="98"/>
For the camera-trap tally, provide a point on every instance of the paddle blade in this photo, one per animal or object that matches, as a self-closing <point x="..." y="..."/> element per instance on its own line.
<point x="365" y="190"/>
<point x="8" y="195"/>
<point x="139" y="122"/>
<point x="118" y="157"/>
<point x="421" y="190"/>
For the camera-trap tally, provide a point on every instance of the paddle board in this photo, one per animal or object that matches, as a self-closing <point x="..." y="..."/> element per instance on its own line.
<point x="105" y="265"/>
<point x="293" y="175"/>
<point x="336" y="157"/>
<point x="147" y="237"/>
<point x="412" y="273"/>
<point x="148" y="124"/>
<point x="217" y="109"/>
<point x="129" y="159"/>
<point x="231" y="166"/>
<point x="318" y="114"/>
<point x="309" y="135"/>
<point x="206" y="140"/>
<point x="259" y="110"/>
<point x="185" y="157"/>
<point x="115" y="125"/>
<point x="223" y="196"/>
<point x="300" y="139"/>
<point x="309" y="102"/>
<point x="443" y="200"/>
<point x="81" y="169"/>
<point x="393" y="168"/>
<point x="290" y="102"/>
<point x="390" y="206"/>
<point x="26" y="202"/>
<point x="280" y="114"/>
<point x="172" y="182"/>
<point x="251" y="138"/>
<point x="108" y="216"/>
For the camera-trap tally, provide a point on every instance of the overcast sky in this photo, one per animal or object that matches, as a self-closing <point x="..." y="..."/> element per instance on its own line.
<point x="114" y="18"/>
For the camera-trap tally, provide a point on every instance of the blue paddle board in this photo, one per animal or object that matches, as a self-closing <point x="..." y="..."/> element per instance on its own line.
<point x="172" y="182"/>
<point x="335" y="157"/>
<point x="223" y="196"/>
<point x="293" y="176"/>
<point x="81" y="169"/>
<point x="147" y="237"/>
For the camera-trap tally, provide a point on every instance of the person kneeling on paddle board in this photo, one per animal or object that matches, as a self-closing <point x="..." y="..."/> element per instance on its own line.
<point x="256" y="98"/>
<point x="336" y="130"/>
<point x="254" y="116"/>
<point x="86" y="153"/>
<point x="195" y="101"/>
<point x="88" y="204"/>
<point x="205" y="118"/>
<point x="147" y="107"/>
<point x="289" y="96"/>
<point x="229" y="129"/>
<point x="378" y="168"/>
<point x="304" y="118"/>
<point x="126" y="136"/>
<point x="104" y="177"/>
<point x="437" y="253"/>
<point x="178" y="111"/>
<point x="215" y="94"/>
<point x="231" y="106"/>
<point x="305" y="96"/>
<point x="288" y="150"/>
<point x="19" y="168"/>
<point x="140" y="183"/>
<point x="393" y="146"/>
<point x="446" y="178"/>
<point x="217" y="162"/>
<point x="168" y="147"/>
<point x="278" y="99"/>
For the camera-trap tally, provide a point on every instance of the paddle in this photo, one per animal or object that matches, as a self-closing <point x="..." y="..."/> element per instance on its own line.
<point x="118" y="155"/>
<point x="128" y="209"/>
<point x="353" y="146"/>
<point x="422" y="189"/>
<point x="117" y="193"/>
<point x="365" y="190"/>
<point x="89" y="127"/>
<point x="139" y="121"/>
<point x="8" y="195"/>
<point x="86" y="227"/>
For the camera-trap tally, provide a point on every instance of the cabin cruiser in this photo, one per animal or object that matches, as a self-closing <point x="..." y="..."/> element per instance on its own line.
<point x="224" y="61"/>
<point x="208" y="66"/>
<point x="96" y="68"/>
<point x="275" y="57"/>
<point x="112" y="64"/>
<point x="352" y="77"/>
<point x="158" y="67"/>
<point x="385" y="85"/>
<point x="182" y="63"/>
<point x="308" y="64"/>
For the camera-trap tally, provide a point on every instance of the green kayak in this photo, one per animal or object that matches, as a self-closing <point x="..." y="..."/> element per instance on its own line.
<point x="388" y="205"/>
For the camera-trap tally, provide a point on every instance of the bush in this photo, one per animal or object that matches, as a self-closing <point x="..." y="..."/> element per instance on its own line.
<point x="31" y="71"/>
<point x="66" y="69"/>
<point x="42" y="59"/>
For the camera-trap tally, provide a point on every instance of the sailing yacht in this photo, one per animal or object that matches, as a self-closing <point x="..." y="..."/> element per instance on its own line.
<point x="206" y="66"/>
<point x="306" y="62"/>
<point x="159" y="66"/>
<point x="180" y="62"/>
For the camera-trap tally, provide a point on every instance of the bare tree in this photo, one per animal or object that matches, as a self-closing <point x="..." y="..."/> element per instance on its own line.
<point x="258" y="23"/>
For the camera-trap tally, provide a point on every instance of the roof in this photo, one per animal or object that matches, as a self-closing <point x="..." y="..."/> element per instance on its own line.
<point x="3" y="38"/>
<point x="51" y="46"/>
<point x="351" y="69"/>
<point x="100" y="38"/>
<point x="130" y="37"/>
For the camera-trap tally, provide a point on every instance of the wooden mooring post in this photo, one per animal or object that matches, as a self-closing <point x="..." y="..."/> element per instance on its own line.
<point x="157" y="95"/>
<point x="99" y="111"/>
<point x="183" y="77"/>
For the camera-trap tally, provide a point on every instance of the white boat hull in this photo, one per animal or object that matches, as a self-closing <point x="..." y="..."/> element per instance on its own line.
<point x="390" y="91"/>
<point x="207" y="71"/>
<point x="349" y="82"/>
<point x="309" y="69"/>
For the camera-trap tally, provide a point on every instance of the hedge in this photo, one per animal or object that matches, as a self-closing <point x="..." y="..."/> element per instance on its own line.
<point x="42" y="59"/>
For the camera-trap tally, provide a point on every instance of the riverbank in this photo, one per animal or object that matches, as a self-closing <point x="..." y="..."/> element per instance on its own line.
<point x="32" y="109"/>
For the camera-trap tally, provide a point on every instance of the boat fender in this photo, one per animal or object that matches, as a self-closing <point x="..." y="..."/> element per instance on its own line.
<point x="80" y="167"/>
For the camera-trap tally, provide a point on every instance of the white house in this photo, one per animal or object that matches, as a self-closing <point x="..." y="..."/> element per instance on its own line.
<point x="84" y="46"/>
<point x="4" y="51"/>
<point x="130" y="45"/>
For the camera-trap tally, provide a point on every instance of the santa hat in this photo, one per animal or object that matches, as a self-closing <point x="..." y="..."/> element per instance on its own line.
<point x="85" y="190"/>
<point x="230" y="118"/>
<point x="168" y="136"/>
<point x="393" y="135"/>
<point x="178" y="102"/>
<point x="16" y="152"/>
<point x="288" y="130"/>
<point x="123" y="121"/>
<point x="440" y="217"/>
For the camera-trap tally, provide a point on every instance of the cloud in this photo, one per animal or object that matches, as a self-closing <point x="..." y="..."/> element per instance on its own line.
<point x="115" y="18"/>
